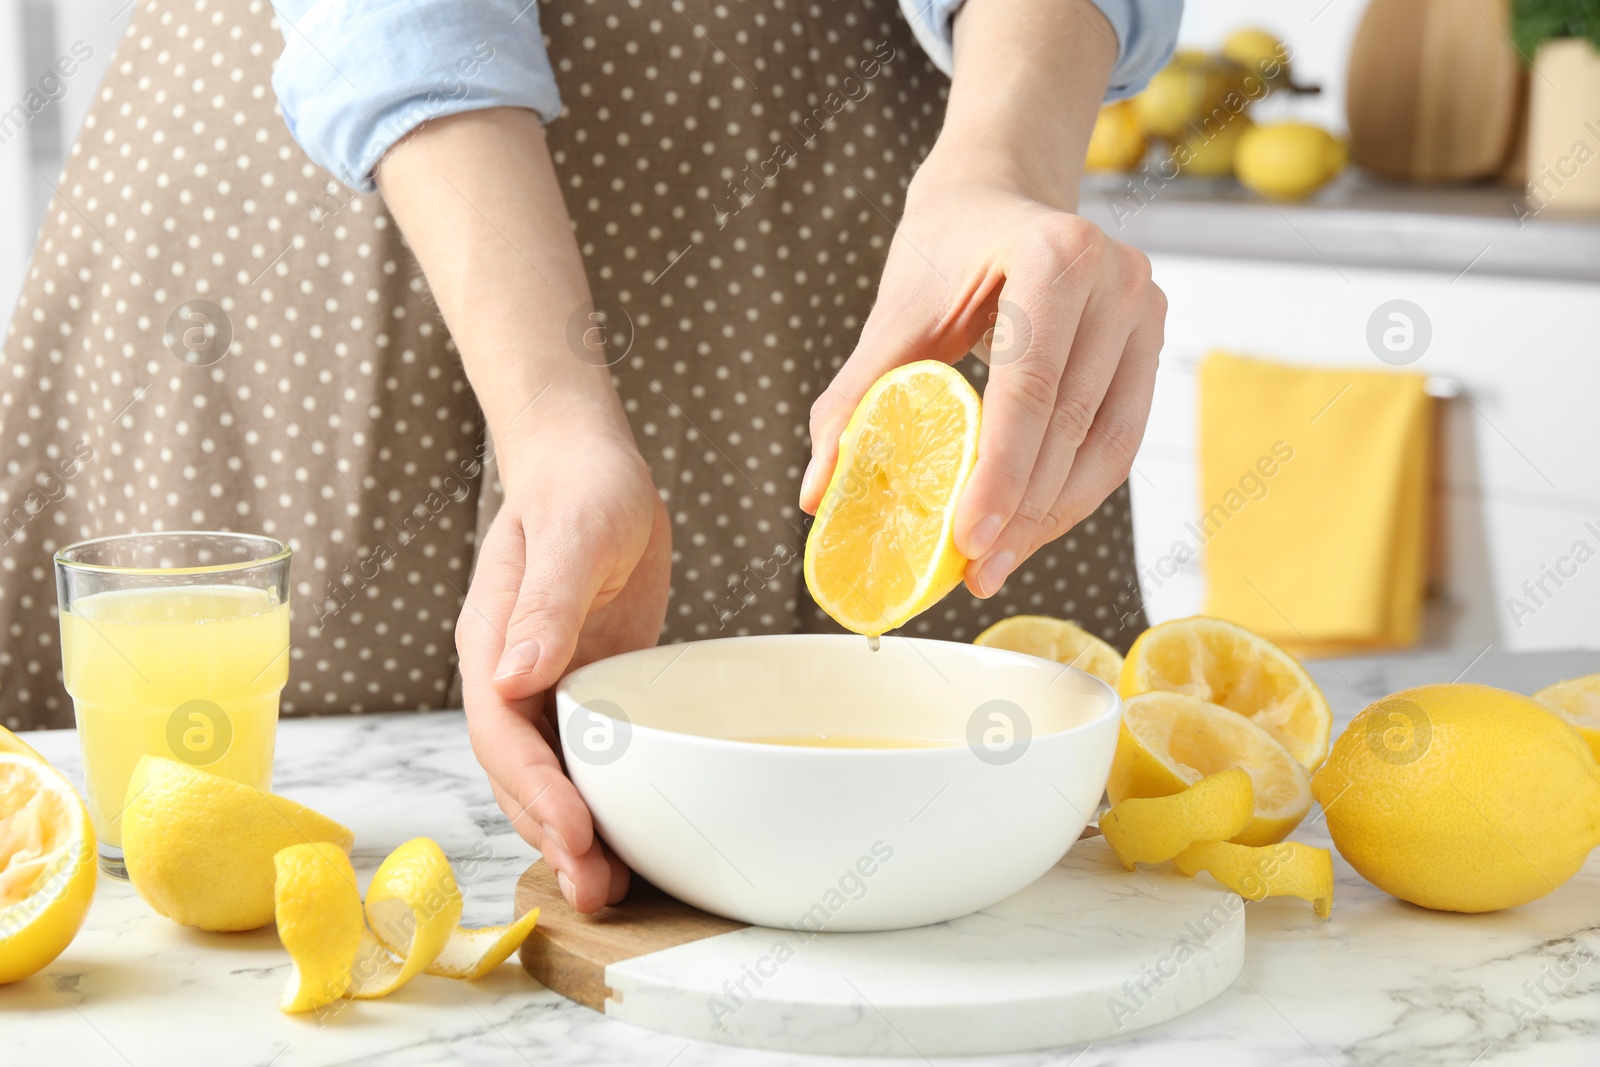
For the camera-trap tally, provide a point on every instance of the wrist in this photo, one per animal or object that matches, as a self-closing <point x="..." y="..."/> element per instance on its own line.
<point x="1029" y="77"/>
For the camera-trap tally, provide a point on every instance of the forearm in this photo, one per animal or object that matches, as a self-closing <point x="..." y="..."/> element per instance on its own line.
<point x="1029" y="77"/>
<point x="478" y="200"/>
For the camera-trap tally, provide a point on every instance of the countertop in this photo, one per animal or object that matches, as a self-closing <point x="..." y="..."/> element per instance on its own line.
<point x="1356" y="221"/>
<point x="1381" y="983"/>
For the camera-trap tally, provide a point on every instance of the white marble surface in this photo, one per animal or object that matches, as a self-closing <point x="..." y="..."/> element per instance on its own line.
<point x="1086" y="952"/>
<point x="1383" y="983"/>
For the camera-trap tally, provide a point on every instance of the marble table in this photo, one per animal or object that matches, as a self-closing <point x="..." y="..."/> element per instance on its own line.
<point x="1382" y="983"/>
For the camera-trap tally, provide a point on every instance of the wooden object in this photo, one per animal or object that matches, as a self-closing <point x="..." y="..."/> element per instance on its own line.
<point x="1564" y="128"/>
<point x="1050" y="966"/>
<point x="1433" y="89"/>
<point x="569" y="951"/>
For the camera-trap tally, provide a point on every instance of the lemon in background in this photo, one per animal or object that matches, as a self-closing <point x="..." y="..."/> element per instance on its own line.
<point x="1118" y="141"/>
<point x="1258" y="51"/>
<point x="1288" y="160"/>
<point x="1461" y="797"/>
<point x="1208" y="152"/>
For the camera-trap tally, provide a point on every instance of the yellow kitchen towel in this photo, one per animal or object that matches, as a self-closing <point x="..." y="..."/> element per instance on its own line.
<point x="1314" y="495"/>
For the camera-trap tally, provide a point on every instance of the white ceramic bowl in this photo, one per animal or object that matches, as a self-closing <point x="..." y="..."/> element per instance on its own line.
<point x="837" y="839"/>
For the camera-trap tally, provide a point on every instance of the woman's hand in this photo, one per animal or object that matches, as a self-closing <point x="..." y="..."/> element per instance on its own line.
<point x="576" y="564"/>
<point x="574" y="568"/>
<point x="988" y="248"/>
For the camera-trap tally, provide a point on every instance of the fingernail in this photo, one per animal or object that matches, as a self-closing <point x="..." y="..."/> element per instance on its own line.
<point x="549" y="835"/>
<point x="983" y="535"/>
<point x="566" y="888"/>
<point x="994" y="571"/>
<point x="806" y="479"/>
<point x="518" y="659"/>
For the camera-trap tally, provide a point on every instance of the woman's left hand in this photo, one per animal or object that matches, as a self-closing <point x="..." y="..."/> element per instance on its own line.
<point x="989" y="242"/>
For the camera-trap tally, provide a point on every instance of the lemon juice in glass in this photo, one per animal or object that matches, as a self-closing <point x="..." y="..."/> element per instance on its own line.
<point x="175" y="645"/>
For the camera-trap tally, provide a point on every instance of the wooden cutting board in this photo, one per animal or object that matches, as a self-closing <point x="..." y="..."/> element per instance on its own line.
<point x="1435" y="89"/>
<point x="569" y="951"/>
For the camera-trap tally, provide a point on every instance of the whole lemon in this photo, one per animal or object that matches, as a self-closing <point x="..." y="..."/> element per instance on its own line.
<point x="1259" y="51"/>
<point x="1118" y="141"/>
<point x="1208" y="152"/>
<point x="1461" y="797"/>
<point x="1288" y="160"/>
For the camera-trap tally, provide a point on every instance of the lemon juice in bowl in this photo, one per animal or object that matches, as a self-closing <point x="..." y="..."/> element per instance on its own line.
<point x="173" y="645"/>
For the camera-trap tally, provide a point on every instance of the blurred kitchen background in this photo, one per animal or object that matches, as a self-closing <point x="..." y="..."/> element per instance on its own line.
<point x="1503" y="289"/>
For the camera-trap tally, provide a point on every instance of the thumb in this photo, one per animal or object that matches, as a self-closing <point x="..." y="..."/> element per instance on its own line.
<point x="560" y="580"/>
<point x="913" y="318"/>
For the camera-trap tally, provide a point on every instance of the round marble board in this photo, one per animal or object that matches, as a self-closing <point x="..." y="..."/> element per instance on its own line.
<point x="1089" y="951"/>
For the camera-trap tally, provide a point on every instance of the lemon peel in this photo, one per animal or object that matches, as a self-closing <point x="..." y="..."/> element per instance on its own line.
<point x="1155" y="829"/>
<point x="318" y="909"/>
<point x="408" y="926"/>
<point x="1287" y="868"/>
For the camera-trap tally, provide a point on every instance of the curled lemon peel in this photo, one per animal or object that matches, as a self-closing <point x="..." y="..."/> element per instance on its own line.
<point x="1155" y="829"/>
<point x="408" y="926"/>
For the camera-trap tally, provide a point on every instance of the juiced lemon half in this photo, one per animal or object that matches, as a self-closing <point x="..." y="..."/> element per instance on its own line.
<point x="882" y="549"/>
<point x="47" y="864"/>
<point x="1221" y="663"/>
<point x="1168" y="742"/>
<point x="1057" y="639"/>
<point x="1578" y="701"/>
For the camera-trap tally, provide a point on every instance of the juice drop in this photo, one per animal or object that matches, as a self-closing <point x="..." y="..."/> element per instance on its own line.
<point x="872" y="643"/>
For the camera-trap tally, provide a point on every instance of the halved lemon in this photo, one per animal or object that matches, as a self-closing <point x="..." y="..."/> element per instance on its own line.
<point x="1225" y="664"/>
<point x="1578" y="701"/>
<point x="1169" y="741"/>
<point x="882" y="549"/>
<point x="10" y="742"/>
<point x="1057" y="639"/>
<point x="47" y="864"/>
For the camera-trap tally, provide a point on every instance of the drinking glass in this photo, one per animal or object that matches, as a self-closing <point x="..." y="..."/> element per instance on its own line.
<point x="177" y="645"/>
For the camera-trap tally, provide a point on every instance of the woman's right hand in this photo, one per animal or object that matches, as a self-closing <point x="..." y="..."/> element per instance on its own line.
<point x="574" y="568"/>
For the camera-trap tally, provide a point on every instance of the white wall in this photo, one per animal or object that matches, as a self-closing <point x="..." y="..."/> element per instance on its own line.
<point x="32" y="159"/>
<point x="1518" y="478"/>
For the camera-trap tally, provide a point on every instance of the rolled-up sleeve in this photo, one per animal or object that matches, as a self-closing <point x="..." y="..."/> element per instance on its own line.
<point x="356" y="76"/>
<point x="1147" y="31"/>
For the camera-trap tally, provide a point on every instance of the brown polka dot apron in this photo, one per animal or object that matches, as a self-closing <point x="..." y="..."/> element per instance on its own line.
<point x="216" y="335"/>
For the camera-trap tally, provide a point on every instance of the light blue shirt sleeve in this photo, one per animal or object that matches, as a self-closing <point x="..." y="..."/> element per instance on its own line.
<point x="356" y="76"/>
<point x="1147" y="31"/>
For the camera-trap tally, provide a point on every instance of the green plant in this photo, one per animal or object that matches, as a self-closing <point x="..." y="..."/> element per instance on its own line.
<point x="1535" y="21"/>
